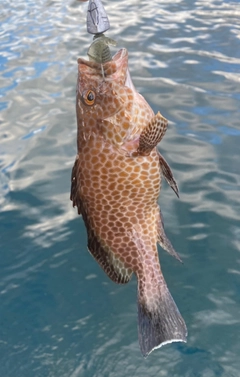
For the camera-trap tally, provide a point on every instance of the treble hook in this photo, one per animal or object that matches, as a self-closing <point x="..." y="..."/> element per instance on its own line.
<point x="97" y="24"/>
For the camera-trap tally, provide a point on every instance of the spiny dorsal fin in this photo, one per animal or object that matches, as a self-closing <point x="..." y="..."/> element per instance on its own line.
<point x="74" y="194"/>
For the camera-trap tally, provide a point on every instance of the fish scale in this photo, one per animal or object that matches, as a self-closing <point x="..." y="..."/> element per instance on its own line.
<point x="116" y="181"/>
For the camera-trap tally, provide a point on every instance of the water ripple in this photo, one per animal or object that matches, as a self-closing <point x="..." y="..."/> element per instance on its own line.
<point x="59" y="314"/>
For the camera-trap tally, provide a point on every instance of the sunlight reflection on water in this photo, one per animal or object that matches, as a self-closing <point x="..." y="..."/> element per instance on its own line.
<point x="184" y="57"/>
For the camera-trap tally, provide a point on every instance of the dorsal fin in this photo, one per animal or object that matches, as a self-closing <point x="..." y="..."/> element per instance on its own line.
<point x="111" y="265"/>
<point x="74" y="194"/>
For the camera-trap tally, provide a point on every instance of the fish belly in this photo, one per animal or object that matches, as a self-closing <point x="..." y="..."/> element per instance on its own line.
<point x="119" y="194"/>
<point x="119" y="206"/>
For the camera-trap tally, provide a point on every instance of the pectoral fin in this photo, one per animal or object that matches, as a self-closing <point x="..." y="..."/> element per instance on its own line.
<point x="168" y="175"/>
<point x="152" y="134"/>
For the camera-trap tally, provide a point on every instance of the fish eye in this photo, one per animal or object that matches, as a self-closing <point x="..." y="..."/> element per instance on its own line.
<point x="89" y="97"/>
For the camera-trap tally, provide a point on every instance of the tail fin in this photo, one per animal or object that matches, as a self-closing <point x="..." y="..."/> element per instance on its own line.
<point x="159" y="322"/>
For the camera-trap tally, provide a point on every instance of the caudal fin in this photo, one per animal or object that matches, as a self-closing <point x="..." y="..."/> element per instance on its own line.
<point x="159" y="322"/>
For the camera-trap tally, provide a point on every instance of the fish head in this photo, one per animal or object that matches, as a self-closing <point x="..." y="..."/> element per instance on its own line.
<point x="107" y="102"/>
<point x="98" y="85"/>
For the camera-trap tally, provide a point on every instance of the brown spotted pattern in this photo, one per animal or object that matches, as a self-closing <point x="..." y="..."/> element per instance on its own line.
<point x="152" y="134"/>
<point x="115" y="180"/>
<point x="119" y="114"/>
<point x="116" y="192"/>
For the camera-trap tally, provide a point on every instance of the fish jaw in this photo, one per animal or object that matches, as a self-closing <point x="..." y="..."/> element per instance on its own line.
<point x="119" y="113"/>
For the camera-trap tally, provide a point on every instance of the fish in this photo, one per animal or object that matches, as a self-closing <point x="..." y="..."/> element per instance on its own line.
<point x="115" y="185"/>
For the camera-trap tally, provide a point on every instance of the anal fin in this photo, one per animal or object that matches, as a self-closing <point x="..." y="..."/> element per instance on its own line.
<point x="168" y="175"/>
<point x="163" y="240"/>
<point x="152" y="134"/>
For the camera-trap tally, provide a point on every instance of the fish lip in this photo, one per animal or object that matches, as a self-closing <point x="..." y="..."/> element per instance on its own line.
<point x="122" y="54"/>
<point x="114" y="69"/>
<point x="129" y="82"/>
<point x="118" y="65"/>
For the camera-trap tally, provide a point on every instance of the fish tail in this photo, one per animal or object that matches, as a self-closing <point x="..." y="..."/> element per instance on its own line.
<point x="159" y="320"/>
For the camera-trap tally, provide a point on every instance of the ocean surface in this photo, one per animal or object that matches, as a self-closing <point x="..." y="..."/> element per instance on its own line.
<point x="60" y="315"/>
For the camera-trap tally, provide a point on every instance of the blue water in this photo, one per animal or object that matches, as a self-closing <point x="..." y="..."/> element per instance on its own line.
<point x="59" y="313"/>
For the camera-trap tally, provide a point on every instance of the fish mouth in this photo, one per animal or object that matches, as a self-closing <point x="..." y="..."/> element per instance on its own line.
<point x="122" y="57"/>
<point x="114" y="70"/>
<point x="129" y="82"/>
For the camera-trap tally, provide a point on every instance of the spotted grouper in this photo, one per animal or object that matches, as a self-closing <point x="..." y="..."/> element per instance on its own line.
<point x="116" y="181"/>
